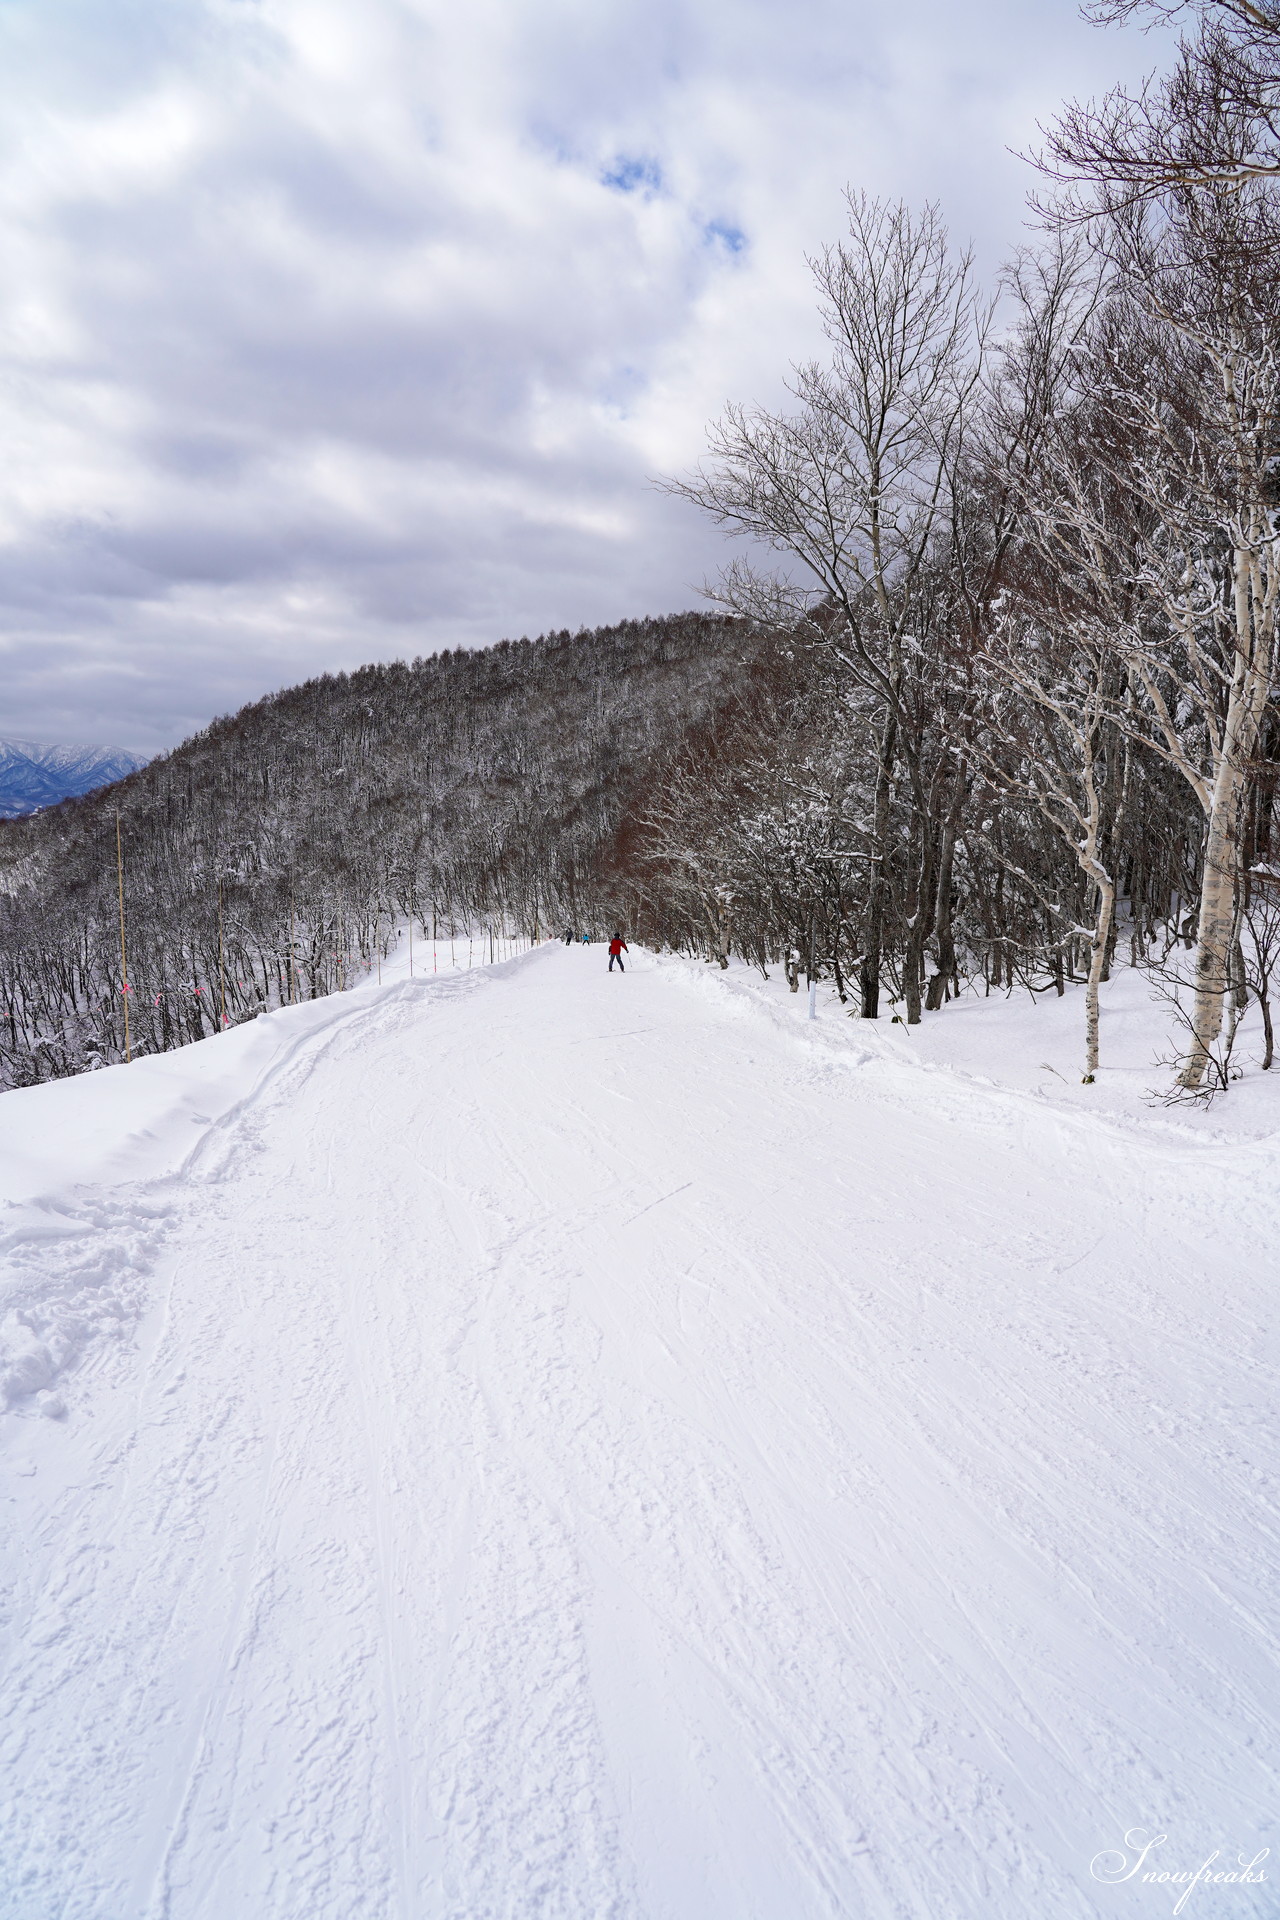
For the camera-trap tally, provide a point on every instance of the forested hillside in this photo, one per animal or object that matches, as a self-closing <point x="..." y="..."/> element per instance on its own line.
<point x="268" y="858"/>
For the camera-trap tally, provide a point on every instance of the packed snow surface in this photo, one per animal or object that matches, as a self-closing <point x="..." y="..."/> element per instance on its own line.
<point x="531" y="1442"/>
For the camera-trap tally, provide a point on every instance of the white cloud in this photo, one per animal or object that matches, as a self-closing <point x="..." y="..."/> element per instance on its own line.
<point x="329" y="333"/>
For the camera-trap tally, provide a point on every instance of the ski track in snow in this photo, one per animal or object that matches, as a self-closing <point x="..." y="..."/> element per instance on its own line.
<point x="588" y="1447"/>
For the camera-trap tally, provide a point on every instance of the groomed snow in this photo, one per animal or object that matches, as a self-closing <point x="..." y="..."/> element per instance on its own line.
<point x="531" y="1442"/>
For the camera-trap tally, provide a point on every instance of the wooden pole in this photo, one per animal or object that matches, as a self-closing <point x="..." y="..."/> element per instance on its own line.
<point x="222" y="969"/>
<point x="124" y="962"/>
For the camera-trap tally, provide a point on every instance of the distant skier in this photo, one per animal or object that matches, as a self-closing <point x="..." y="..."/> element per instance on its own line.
<point x="617" y="947"/>
<point x="586" y="939"/>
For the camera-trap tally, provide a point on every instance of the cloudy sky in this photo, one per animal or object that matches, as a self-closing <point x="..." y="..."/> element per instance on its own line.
<point x="336" y="330"/>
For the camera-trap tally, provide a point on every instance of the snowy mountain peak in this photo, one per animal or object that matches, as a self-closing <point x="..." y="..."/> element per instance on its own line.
<point x="33" y="775"/>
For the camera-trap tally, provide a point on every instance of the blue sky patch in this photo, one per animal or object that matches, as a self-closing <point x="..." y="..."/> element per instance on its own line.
<point x="633" y="173"/>
<point x="726" y="235"/>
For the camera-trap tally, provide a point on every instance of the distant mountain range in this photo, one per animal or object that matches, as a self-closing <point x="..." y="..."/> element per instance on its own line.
<point x="34" y="776"/>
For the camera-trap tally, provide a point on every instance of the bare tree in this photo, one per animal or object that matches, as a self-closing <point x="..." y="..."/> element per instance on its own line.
<point x="1212" y="121"/>
<point x="1049" y="712"/>
<point x="856" y="483"/>
<point x="1261" y="922"/>
<point x="1165" y="512"/>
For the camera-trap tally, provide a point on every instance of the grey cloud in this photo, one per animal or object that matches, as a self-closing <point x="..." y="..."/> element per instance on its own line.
<point x="332" y="334"/>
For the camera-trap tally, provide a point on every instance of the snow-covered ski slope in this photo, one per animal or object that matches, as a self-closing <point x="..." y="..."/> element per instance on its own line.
<point x="589" y="1446"/>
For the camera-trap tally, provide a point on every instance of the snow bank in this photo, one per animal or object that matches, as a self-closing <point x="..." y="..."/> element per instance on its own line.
<point x="1010" y="1043"/>
<point x="71" y="1278"/>
<point x="88" y="1166"/>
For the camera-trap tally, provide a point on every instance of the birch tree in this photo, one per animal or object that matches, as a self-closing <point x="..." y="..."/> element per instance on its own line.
<point x="1162" y="514"/>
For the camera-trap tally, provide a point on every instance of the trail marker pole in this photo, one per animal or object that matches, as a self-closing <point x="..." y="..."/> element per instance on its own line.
<point x="124" y="962"/>
<point x="222" y="970"/>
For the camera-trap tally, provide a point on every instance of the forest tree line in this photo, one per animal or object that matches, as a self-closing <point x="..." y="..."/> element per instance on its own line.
<point x="1034" y="545"/>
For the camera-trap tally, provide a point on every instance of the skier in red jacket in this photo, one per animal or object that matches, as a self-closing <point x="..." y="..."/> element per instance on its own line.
<point x="617" y="947"/>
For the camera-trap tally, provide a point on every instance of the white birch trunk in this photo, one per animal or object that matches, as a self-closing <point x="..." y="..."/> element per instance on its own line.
<point x="1250" y="686"/>
<point x="1097" y="964"/>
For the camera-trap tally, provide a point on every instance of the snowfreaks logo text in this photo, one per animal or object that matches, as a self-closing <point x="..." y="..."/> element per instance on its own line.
<point x="1139" y="1862"/>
